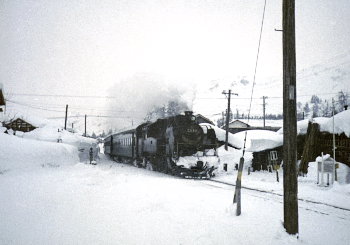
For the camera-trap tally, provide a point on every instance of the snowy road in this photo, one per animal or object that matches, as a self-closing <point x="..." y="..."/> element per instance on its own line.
<point x="118" y="204"/>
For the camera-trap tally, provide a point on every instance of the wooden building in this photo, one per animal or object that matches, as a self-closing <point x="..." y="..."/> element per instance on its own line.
<point x="342" y="144"/>
<point x="20" y="125"/>
<point x="238" y="126"/>
<point x="2" y="102"/>
<point x="269" y="157"/>
<point x="262" y="159"/>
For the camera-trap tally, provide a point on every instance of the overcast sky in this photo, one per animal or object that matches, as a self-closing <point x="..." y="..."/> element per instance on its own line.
<point x="84" y="47"/>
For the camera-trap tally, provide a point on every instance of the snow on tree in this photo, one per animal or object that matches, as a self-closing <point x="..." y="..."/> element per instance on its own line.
<point x="307" y="109"/>
<point x="315" y="101"/>
<point x="174" y="107"/>
<point x="342" y="100"/>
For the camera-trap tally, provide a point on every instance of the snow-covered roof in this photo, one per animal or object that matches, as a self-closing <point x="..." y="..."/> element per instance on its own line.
<point x="260" y="140"/>
<point x="257" y="140"/>
<point x="238" y="123"/>
<point x="29" y="118"/>
<point x="341" y="124"/>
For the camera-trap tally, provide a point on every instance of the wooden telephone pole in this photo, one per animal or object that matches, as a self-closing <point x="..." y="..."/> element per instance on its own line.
<point x="264" y="107"/>
<point x="290" y="177"/>
<point x="85" y="126"/>
<point x="227" y="115"/>
<point x="65" y="119"/>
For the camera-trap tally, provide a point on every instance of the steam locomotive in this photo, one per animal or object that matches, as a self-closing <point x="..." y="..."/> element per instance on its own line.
<point x="159" y="145"/>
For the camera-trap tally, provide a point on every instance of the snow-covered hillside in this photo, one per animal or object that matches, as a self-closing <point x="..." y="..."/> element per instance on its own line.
<point x="324" y="80"/>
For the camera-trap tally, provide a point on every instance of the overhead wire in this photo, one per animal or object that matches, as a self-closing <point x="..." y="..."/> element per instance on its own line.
<point x="256" y="65"/>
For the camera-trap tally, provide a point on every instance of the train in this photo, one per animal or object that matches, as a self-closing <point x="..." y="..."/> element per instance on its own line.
<point x="159" y="146"/>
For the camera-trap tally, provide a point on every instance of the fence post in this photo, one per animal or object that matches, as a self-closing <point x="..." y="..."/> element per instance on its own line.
<point x="237" y="196"/>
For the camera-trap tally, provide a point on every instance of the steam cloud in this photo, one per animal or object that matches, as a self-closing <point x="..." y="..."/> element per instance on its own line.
<point x="138" y="95"/>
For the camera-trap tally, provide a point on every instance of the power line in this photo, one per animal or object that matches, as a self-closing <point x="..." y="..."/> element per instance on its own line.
<point x="61" y="106"/>
<point x="101" y="116"/>
<point x="34" y="107"/>
<point x="65" y="95"/>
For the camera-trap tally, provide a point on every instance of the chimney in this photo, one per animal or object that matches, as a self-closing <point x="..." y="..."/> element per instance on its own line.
<point x="188" y="113"/>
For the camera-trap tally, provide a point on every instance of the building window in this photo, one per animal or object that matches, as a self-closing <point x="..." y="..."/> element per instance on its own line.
<point x="273" y="155"/>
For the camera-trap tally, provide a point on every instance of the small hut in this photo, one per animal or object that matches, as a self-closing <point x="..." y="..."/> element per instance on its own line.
<point x="238" y="126"/>
<point x="20" y="125"/>
<point x="265" y="158"/>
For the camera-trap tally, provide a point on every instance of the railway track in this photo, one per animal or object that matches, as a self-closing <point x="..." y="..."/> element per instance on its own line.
<point x="309" y="205"/>
<point x="303" y="200"/>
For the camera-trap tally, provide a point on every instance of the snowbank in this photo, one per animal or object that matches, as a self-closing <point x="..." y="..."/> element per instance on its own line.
<point x="50" y="133"/>
<point x="18" y="153"/>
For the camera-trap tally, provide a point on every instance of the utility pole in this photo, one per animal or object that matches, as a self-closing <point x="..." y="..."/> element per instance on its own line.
<point x="65" y="119"/>
<point x="264" y="107"/>
<point x="85" y="126"/>
<point x="227" y="115"/>
<point x="335" y="171"/>
<point x="290" y="178"/>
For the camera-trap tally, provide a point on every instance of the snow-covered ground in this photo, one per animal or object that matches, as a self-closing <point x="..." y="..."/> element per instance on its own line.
<point x="119" y="204"/>
<point x="48" y="196"/>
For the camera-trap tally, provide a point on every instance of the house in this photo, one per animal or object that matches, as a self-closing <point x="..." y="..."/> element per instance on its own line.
<point x="19" y="125"/>
<point x="2" y="103"/>
<point x="238" y="126"/>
